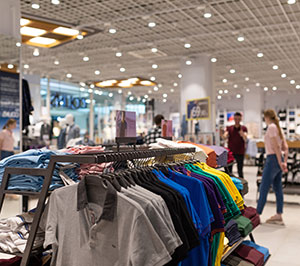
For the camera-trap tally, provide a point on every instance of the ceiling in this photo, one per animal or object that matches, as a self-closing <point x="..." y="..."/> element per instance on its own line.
<point x="269" y="26"/>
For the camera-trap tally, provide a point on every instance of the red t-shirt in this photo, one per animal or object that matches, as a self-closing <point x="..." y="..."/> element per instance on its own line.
<point x="235" y="142"/>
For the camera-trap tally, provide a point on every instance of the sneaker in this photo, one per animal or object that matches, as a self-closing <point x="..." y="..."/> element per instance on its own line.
<point x="275" y="220"/>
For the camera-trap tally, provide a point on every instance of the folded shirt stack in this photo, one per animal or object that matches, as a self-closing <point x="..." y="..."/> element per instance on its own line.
<point x="238" y="183"/>
<point x="14" y="232"/>
<point x="222" y="155"/>
<point x="261" y="249"/>
<point x="232" y="232"/>
<point x="250" y="254"/>
<point x="244" y="225"/>
<point x="252" y="215"/>
<point x="35" y="159"/>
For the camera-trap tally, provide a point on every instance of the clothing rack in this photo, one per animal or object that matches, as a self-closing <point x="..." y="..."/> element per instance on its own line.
<point x="47" y="173"/>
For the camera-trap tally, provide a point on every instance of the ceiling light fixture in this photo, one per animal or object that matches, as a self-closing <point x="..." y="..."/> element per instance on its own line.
<point x="241" y="38"/>
<point x="26" y="66"/>
<point x="154" y="50"/>
<point x="232" y="71"/>
<point x="283" y="75"/>
<point x="92" y="86"/>
<point x="55" y="2"/>
<point x="165" y="95"/>
<point x="247" y="90"/>
<point x="275" y="67"/>
<point x="110" y="95"/>
<point x="297" y="87"/>
<point x="187" y="45"/>
<point x="180" y="76"/>
<point x="120" y="91"/>
<point x="159" y="85"/>
<point x="18" y="44"/>
<point x="85" y="58"/>
<point x="79" y="36"/>
<point x="291" y="2"/>
<point x="188" y="62"/>
<point x="30" y="31"/>
<point x="82" y="84"/>
<point x="146" y="96"/>
<point x="82" y="89"/>
<point x="144" y="100"/>
<point x="238" y="96"/>
<point x="247" y="78"/>
<point x="152" y="78"/>
<point x="129" y="93"/>
<point x="56" y="62"/>
<point x="235" y="86"/>
<point x="69" y="75"/>
<point x="207" y="13"/>
<point x="164" y="100"/>
<point x="90" y="90"/>
<point x="224" y="80"/>
<point x="97" y="72"/>
<point x="274" y="88"/>
<point x="24" y="21"/>
<point x="226" y="91"/>
<point x="175" y="84"/>
<point x="122" y="69"/>
<point x="66" y="31"/>
<point x="219" y="97"/>
<point x="131" y="98"/>
<point x="118" y="54"/>
<point x="266" y="88"/>
<point x="35" y="6"/>
<point x="36" y="52"/>
<point x="42" y="40"/>
<point x="155" y="88"/>
<point x="292" y="81"/>
<point x="172" y="90"/>
<point x="154" y="66"/>
<point x="220" y="91"/>
<point x="151" y="24"/>
<point x="112" y="31"/>
<point x="260" y="54"/>
<point x="257" y="84"/>
<point x="10" y="66"/>
<point x="213" y="60"/>
<point x="146" y="83"/>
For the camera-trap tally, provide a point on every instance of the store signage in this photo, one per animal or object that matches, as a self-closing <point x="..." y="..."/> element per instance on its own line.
<point x="198" y="109"/>
<point x="67" y="101"/>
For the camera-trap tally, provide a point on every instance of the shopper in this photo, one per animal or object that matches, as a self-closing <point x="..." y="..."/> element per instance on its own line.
<point x="7" y="139"/>
<point x="155" y="132"/>
<point x="275" y="145"/>
<point x="237" y="137"/>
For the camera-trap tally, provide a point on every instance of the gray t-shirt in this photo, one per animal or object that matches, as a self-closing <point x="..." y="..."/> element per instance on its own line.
<point x="120" y="235"/>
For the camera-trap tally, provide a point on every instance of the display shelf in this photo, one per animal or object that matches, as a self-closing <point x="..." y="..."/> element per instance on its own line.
<point x="232" y="248"/>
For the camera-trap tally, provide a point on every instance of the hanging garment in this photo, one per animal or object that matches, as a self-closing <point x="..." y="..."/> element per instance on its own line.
<point x="27" y="107"/>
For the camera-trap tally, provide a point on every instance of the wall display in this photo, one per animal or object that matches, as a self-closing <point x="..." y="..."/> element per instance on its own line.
<point x="198" y="109"/>
<point x="167" y="128"/>
<point x="67" y="101"/>
<point x="125" y="124"/>
<point x="9" y="100"/>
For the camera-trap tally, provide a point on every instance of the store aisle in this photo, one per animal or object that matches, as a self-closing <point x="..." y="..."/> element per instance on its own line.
<point x="283" y="242"/>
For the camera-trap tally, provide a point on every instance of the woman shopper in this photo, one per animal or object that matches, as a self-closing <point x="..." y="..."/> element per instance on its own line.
<point x="7" y="139"/>
<point x="275" y="145"/>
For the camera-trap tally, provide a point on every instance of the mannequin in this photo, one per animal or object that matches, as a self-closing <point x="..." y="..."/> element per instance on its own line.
<point x="61" y="140"/>
<point x="72" y="130"/>
<point x="45" y="132"/>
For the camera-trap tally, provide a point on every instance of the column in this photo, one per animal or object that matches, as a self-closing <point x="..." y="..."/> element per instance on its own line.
<point x="198" y="82"/>
<point x="48" y="98"/>
<point x="253" y="107"/>
<point x="91" y="117"/>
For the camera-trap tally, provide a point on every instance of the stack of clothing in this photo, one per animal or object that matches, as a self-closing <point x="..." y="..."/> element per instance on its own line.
<point x="238" y="183"/>
<point x="249" y="254"/>
<point x="261" y="249"/>
<point x="14" y="232"/>
<point x="92" y="168"/>
<point x="252" y="215"/>
<point x="244" y="225"/>
<point x="222" y="155"/>
<point x="35" y="159"/>
<point x="232" y="232"/>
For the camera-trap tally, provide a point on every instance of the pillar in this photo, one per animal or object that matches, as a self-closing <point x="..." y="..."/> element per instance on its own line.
<point x="253" y="107"/>
<point x="198" y="82"/>
<point x="91" y="117"/>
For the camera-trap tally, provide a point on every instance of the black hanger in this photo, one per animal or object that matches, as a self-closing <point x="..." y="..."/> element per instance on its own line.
<point x="113" y="181"/>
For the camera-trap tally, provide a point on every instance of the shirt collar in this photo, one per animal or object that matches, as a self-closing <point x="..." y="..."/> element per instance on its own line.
<point x="110" y="202"/>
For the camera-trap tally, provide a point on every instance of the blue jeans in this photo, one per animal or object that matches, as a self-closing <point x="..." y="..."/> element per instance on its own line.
<point x="272" y="174"/>
<point x="5" y="154"/>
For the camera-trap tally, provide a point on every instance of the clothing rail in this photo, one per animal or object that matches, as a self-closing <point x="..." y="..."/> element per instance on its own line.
<point x="47" y="173"/>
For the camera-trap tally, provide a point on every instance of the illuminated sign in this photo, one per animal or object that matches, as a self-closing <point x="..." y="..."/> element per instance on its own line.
<point x="67" y="101"/>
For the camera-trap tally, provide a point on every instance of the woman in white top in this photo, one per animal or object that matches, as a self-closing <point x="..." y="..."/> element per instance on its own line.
<point x="276" y="146"/>
<point x="7" y="139"/>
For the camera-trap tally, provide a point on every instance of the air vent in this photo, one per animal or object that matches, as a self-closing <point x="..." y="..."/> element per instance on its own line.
<point x="147" y="54"/>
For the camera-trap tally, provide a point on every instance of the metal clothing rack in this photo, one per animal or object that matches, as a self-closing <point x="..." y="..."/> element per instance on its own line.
<point x="47" y="173"/>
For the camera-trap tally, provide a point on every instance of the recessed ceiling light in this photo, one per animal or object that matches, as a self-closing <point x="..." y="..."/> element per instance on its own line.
<point x="97" y="72"/>
<point x="36" y="52"/>
<point x="82" y="89"/>
<point x="188" y="62"/>
<point x="155" y="88"/>
<point x="257" y="84"/>
<point x="151" y="24"/>
<point x="247" y="90"/>
<point x="146" y="96"/>
<point x="154" y="66"/>
<point x="144" y="100"/>
<point x="82" y="84"/>
<point x="164" y="100"/>
<point x="292" y="81"/>
<point x="112" y="31"/>
<point x="235" y="86"/>
<point x="226" y="91"/>
<point x="266" y="88"/>
<point x="171" y="90"/>
<point x="152" y="78"/>
<point x="291" y="2"/>
<point x="240" y="38"/>
<point x="30" y="31"/>
<point x="219" y="97"/>
<point x="118" y="54"/>
<point x="55" y="2"/>
<point x="131" y="98"/>
<point x="187" y="45"/>
<point x="159" y="85"/>
<point x="56" y="62"/>
<point x="42" y="40"/>
<point x="149" y="91"/>
<point x="247" y="79"/>
<point x="120" y="91"/>
<point x="92" y="86"/>
<point x="283" y="75"/>
<point x="175" y="84"/>
<point x="297" y="87"/>
<point x="180" y="76"/>
<point x="238" y="96"/>
<point x="66" y="31"/>
<point x="69" y="75"/>
<point x="154" y="50"/>
<point x="35" y="6"/>
<point x="18" y="44"/>
<point x="110" y="95"/>
<point x="165" y="95"/>
<point x="214" y="60"/>
<point x="146" y="83"/>
<point x="232" y="71"/>
<point x="10" y="66"/>
<point x="129" y="93"/>
<point x="274" y="88"/>
<point x="122" y="69"/>
<point x="275" y="67"/>
<point x="85" y="58"/>
<point x="260" y="54"/>
<point x="207" y="13"/>
<point x="80" y="36"/>
<point x="24" y="21"/>
<point x="90" y="90"/>
<point x="220" y="91"/>
<point x="224" y="80"/>
<point x="26" y="66"/>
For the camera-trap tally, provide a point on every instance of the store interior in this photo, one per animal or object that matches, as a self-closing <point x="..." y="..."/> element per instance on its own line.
<point x="68" y="67"/>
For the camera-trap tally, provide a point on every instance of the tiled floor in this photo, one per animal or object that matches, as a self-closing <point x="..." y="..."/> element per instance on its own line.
<point x="283" y="242"/>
